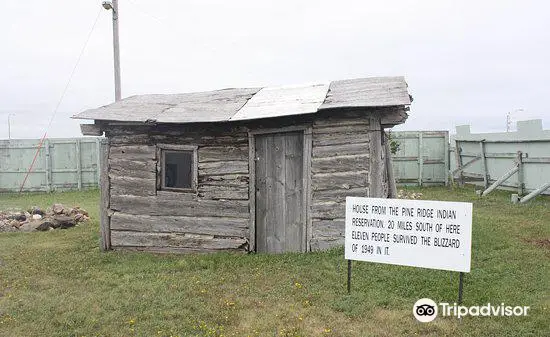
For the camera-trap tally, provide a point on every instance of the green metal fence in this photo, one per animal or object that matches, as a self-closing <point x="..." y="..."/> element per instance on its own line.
<point x="422" y="157"/>
<point x="61" y="164"/>
<point x="521" y="159"/>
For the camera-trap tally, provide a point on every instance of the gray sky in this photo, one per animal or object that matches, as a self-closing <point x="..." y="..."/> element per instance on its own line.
<point x="466" y="62"/>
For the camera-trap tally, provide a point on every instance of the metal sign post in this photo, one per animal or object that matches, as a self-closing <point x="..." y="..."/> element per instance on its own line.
<point x="460" y="286"/>
<point x="349" y="277"/>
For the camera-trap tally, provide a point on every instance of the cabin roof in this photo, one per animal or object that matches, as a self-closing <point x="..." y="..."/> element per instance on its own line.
<point x="254" y="103"/>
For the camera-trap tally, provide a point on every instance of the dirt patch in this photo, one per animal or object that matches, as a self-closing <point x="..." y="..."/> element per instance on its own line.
<point x="542" y="243"/>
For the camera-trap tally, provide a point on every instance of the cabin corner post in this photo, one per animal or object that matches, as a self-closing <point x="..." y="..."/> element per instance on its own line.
<point x="376" y="166"/>
<point x="105" y="196"/>
<point x="392" y="187"/>
<point x="308" y="195"/>
<point x="252" y="192"/>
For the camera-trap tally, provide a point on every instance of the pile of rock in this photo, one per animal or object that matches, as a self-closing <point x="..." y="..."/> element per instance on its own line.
<point x="36" y="219"/>
<point x="402" y="194"/>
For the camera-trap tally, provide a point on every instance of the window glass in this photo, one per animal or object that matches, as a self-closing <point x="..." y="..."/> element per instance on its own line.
<point x="178" y="169"/>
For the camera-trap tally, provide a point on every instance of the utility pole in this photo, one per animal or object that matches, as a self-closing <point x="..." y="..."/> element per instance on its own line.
<point x="9" y="126"/>
<point x="113" y="5"/>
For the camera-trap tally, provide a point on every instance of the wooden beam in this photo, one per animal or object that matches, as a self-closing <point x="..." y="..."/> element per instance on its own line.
<point x="252" y="192"/>
<point x="484" y="164"/>
<point x="392" y="188"/>
<point x="459" y="168"/>
<point x="463" y="167"/>
<point x="91" y="129"/>
<point x="376" y="171"/>
<point x="393" y="118"/>
<point x="520" y="173"/>
<point x="500" y="180"/>
<point x="105" y="220"/>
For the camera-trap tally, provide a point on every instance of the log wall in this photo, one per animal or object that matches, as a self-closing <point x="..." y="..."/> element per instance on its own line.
<point x="216" y="216"/>
<point x="339" y="168"/>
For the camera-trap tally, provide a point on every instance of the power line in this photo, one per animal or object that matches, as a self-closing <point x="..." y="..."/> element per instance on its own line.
<point x="74" y="69"/>
<point x="60" y="100"/>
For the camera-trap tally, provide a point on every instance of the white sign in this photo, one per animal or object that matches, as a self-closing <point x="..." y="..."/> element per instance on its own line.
<point x="417" y="233"/>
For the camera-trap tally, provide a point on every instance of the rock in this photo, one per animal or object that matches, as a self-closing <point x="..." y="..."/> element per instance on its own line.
<point x="18" y="217"/>
<point x="29" y="227"/>
<point x="63" y="222"/>
<point x="36" y="216"/>
<point x="14" y="223"/>
<point x="58" y="208"/>
<point x="44" y="225"/>
<point x="36" y="210"/>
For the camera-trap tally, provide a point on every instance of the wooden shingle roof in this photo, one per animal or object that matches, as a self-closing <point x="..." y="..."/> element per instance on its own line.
<point x="254" y="103"/>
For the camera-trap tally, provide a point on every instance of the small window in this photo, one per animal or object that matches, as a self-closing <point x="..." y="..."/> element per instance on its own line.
<point x="178" y="169"/>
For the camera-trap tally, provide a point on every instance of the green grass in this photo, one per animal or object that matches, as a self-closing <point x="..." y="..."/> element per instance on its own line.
<point x="58" y="283"/>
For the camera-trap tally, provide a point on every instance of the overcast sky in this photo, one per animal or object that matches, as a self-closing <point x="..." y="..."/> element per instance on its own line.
<point x="466" y="62"/>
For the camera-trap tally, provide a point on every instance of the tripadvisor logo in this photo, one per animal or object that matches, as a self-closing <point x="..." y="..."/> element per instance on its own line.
<point x="426" y="310"/>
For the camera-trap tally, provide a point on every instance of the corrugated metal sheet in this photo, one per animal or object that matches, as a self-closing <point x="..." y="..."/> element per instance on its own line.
<point x="227" y="104"/>
<point x="283" y="101"/>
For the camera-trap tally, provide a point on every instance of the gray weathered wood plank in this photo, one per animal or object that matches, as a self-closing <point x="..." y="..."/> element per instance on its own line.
<point x="127" y="185"/>
<point x="339" y="180"/>
<point x="178" y="205"/>
<point x="339" y="138"/>
<point x="218" y="226"/>
<point x="328" y="210"/>
<point x="339" y="194"/>
<point x="340" y="163"/>
<point x="167" y="240"/>
<point x="224" y="192"/>
<point x="222" y="153"/>
<point x="261" y="195"/>
<point x="293" y="192"/>
<point x="133" y="152"/>
<point x="340" y="150"/>
<point x="376" y="172"/>
<point x="223" y="167"/>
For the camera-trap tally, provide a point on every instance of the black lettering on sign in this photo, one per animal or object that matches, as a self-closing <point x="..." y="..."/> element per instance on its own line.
<point x="452" y="229"/>
<point x="404" y="225"/>
<point x="378" y="209"/>
<point x="364" y="209"/>
<point x="359" y="235"/>
<point x="408" y="239"/>
<point x="424" y="227"/>
<point x="425" y="212"/>
<point x="361" y="222"/>
<point x="405" y="211"/>
<point x="446" y="243"/>
<point x="384" y="237"/>
<point x="446" y="214"/>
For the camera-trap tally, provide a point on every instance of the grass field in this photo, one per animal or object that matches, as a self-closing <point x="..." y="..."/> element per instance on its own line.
<point x="58" y="283"/>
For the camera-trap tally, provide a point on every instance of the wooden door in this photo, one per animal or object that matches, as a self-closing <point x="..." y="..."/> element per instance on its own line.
<point x="280" y="222"/>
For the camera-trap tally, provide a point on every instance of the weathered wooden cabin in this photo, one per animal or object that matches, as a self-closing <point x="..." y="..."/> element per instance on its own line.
<point x="255" y="169"/>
